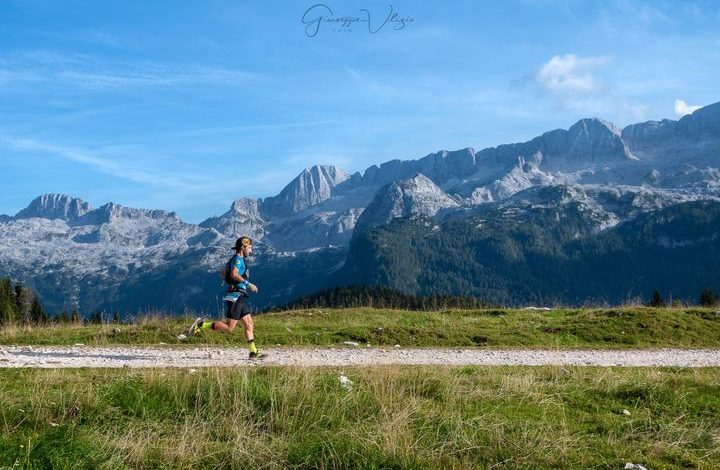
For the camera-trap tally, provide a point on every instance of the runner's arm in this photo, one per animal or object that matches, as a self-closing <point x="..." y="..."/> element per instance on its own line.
<point x="241" y="279"/>
<point x="235" y="274"/>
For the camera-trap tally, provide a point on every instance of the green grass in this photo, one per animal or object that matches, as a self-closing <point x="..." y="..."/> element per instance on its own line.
<point x="630" y="327"/>
<point x="394" y="417"/>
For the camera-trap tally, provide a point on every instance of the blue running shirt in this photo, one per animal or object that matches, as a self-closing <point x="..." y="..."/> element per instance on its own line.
<point x="237" y="262"/>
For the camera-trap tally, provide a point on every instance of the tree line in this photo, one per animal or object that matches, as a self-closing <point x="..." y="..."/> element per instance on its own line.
<point x="379" y="297"/>
<point x="19" y="305"/>
<point x="708" y="298"/>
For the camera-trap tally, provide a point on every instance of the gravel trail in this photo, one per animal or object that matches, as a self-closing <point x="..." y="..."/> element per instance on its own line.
<point x="136" y="356"/>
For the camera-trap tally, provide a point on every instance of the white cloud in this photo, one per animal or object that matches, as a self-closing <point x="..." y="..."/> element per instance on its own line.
<point x="682" y="108"/>
<point x="570" y="74"/>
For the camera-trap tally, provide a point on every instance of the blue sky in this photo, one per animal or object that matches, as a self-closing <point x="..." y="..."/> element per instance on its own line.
<point x="186" y="106"/>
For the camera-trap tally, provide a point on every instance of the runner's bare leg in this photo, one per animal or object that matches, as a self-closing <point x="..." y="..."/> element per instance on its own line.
<point x="249" y="325"/>
<point x="227" y="326"/>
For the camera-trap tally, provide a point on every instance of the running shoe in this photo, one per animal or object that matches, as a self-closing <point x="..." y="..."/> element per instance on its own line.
<point x="195" y="327"/>
<point x="257" y="355"/>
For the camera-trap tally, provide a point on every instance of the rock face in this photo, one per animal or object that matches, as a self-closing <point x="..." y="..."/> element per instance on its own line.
<point x="405" y="198"/>
<point x="593" y="169"/>
<point x="596" y="141"/>
<point x="317" y="229"/>
<point x="439" y="166"/>
<point x="522" y="176"/>
<point x="700" y="127"/>
<point x="242" y="218"/>
<point x="55" y="206"/>
<point x="311" y="187"/>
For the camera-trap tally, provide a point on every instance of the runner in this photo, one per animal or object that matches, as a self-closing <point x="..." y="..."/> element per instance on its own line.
<point x="235" y="274"/>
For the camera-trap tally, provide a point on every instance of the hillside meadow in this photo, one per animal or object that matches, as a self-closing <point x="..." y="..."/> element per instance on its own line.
<point x="628" y="327"/>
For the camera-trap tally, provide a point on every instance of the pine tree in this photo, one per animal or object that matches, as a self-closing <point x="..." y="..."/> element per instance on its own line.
<point x="23" y="303"/>
<point x="37" y="313"/>
<point x="707" y="298"/>
<point x="656" y="300"/>
<point x="7" y="302"/>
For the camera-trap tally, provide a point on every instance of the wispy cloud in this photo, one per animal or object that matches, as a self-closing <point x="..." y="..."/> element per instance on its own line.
<point x="125" y="171"/>
<point x="374" y="86"/>
<point x="255" y="127"/>
<point x="87" y="71"/>
<point x="570" y="74"/>
<point x="152" y="75"/>
<point x="682" y="108"/>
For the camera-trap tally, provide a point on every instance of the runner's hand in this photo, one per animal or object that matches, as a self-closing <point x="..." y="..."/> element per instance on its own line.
<point x="253" y="288"/>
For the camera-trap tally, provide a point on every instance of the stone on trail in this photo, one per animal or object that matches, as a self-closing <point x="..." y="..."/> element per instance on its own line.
<point x="635" y="466"/>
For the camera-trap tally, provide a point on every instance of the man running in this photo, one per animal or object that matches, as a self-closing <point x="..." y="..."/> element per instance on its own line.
<point x="235" y="274"/>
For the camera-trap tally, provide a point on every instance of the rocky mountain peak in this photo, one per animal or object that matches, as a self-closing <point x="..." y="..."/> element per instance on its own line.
<point x="312" y="186"/>
<point x="595" y="140"/>
<point x="243" y="218"/>
<point x="595" y="126"/>
<point x="247" y="207"/>
<point x="404" y="198"/>
<point x="418" y="184"/>
<point x="55" y="206"/>
<point x="112" y="212"/>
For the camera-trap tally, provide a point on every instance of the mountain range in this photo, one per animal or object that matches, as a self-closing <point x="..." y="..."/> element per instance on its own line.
<point x="534" y="218"/>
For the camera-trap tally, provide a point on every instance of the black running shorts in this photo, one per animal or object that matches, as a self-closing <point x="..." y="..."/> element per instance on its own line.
<point x="238" y="309"/>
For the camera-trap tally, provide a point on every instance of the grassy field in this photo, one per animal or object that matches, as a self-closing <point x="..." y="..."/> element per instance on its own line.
<point x="393" y="417"/>
<point x="635" y="327"/>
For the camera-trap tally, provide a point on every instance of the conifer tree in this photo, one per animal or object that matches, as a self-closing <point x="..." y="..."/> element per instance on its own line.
<point x="707" y="298"/>
<point x="23" y="303"/>
<point x="7" y="301"/>
<point x="657" y="300"/>
<point x="37" y="313"/>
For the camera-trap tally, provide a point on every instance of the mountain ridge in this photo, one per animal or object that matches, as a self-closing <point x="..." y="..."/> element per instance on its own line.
<point x="589" y="137"/>
<point x="592" y="173"/>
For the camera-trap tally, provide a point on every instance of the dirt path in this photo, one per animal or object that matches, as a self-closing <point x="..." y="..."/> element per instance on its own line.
<point x="131" y="356"/>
